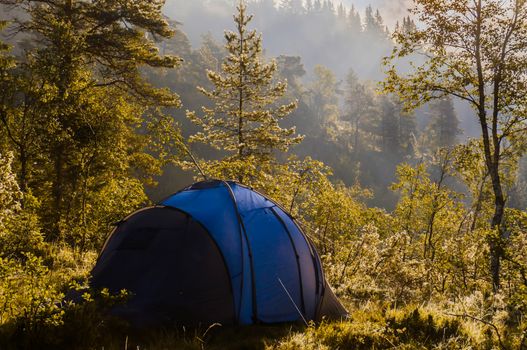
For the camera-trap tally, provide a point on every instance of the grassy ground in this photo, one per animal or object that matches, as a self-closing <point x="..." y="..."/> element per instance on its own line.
<point x="41" y="324"/>
<point x="373" y="327"/>
<point x="214" y="338"/>
<point x="410" y="328"/>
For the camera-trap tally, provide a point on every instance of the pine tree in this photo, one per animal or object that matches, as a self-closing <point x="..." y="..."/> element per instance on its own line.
<point x="355" y="22"/>
<point x="443" y="128"/>
<point x="317" y="5"/>
<point x="373" y="23"/>
<point x="322" y="95"/>
<point x="309" y="6"/>
<point x="341" y="12"/>
<point x="328" y="7"/>
<point x="369" y="20"/>
<point x="212" y="52"/>
<point x="292" y="6"/>
<point x="408" y="25"/>
<point x="244" y="119"/>
<point x="397" y="128"/>
<point x="291" y="69"/>
<point x="359" y="108"/>
<point x="378" y="19"/>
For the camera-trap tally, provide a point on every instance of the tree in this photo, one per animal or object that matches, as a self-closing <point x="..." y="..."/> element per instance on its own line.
<point x="442" y="130"/>
<point x="292" y="6"/>
<point x="9" y="191"/>
<point x="7" y="85"/>
<point x="212" y="52"/>
<point x="6" y="62"/>
<point x="355" y="22"/>
<point x="408" y="25"/>
<point x="291" y="69"/>
<point x="341" y="12"/>
<point x="106" y="33"/>
<point x="244" y="119"/>
<point x="360" y="107"/>
<point x="322" y="94"/>
<point x="80" y="102"/>
<point x="389" y="126"/>
<point x="317" y="5"/>
<point x="396" y="127"/>
<point x="309" y="6"/>
<point x="373" y="23"/>
<point x="430" y="214"/>
<point x="474" y="51"/>
<point x="328" y="7"/>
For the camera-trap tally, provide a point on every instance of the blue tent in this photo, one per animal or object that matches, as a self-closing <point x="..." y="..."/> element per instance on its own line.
<point x="215" y="252"/>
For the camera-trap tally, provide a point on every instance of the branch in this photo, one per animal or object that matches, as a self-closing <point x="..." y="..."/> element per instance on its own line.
<point x="521" y="268"/>
<point x="3" y="117"/>
<point x="456" y="94"/>
<point x="492" y="325"/>
<point x="297" y="189"/>
<point x="194" y="160"/>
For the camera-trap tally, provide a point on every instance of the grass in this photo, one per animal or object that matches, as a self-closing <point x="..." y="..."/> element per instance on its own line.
<point x="216" y="337"/>
<point x="374" y="328"/>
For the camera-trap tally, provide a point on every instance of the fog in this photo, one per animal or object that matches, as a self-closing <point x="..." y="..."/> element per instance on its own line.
<point x="318" y="40"/>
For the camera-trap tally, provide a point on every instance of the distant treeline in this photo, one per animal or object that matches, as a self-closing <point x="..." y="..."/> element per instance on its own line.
<point x="347" y="123"/>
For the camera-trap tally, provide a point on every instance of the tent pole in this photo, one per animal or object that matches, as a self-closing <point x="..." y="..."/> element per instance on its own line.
<point x="243" y="231"/>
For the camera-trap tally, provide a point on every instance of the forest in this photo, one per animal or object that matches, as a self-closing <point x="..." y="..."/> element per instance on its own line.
<point x="397" y="143"/>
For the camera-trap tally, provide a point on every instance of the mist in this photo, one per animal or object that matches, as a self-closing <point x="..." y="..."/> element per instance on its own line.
<point x="318" y="42"/>
<point x="321" y="41"/>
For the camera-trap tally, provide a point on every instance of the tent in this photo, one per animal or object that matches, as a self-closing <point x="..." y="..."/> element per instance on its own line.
<point x="216" y="251"/>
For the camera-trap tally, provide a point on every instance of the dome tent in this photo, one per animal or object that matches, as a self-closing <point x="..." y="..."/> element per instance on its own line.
<point x="214" y="252"/>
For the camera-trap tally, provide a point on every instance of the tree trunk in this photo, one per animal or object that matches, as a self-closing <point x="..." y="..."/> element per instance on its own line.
<point x="57" y="187"/>
<point x="492" y="163"/>
<point x="479" y="203"/>
<point x="356" y="141"/>
<point x="499" y="206"/>
<point x="240" y="101"/>
<point x="492" y="156"/>
<point x="23" y="170"/>
<point x="496" y="250"/>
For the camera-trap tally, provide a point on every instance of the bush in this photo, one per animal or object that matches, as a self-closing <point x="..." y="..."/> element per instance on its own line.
<point x="29" y="302"/>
